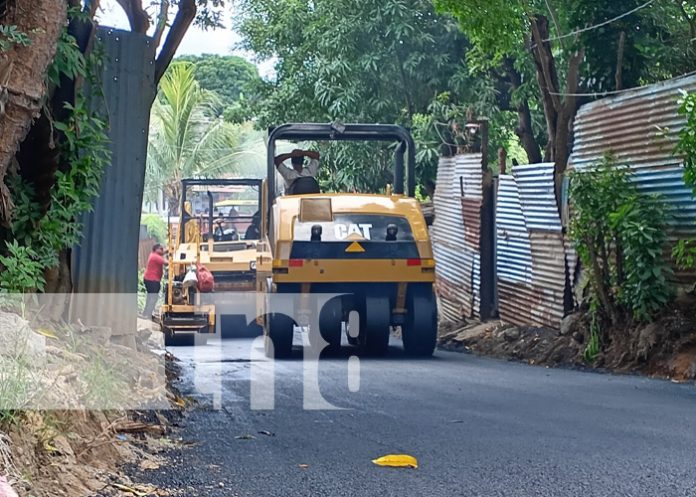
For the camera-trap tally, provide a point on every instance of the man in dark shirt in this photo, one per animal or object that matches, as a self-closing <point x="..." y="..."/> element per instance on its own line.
<point x="153" y="278"/>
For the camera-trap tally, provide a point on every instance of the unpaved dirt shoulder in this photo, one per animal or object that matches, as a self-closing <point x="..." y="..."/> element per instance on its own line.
<point x="665" y="348"/>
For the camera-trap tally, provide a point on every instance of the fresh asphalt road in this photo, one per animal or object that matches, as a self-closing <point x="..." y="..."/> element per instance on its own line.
<point x="478" y="427"/>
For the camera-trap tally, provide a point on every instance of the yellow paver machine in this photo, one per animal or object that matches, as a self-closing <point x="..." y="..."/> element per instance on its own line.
<point x="218" y="232"/>
<point x="372" y="251"/>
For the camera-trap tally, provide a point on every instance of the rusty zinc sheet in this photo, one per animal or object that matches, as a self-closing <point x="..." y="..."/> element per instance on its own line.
<point x="530" y="254"/>
<point x="640" y="129"/>
<point x="456" y="235"/>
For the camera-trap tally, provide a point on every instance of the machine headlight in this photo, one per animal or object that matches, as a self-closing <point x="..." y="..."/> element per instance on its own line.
<point x="252" y="265"/>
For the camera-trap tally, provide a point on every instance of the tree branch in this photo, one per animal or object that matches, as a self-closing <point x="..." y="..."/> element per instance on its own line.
<point x="524" y="129"/>
<point x="618" y="76"/>
<point x="161" y="23"/>
<point x="184" y="17"/>
<point x="91" y="7"/>
<point x="137" y="17"/>
<point x="542" y="53"/>
<point x="689" y="19"/>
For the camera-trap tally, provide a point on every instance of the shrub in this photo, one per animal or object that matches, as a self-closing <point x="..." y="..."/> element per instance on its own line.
<point x="684" y="252"/>
<point x="620" y="237"/>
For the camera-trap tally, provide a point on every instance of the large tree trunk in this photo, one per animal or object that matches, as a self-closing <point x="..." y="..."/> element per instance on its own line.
<point x="24" y="75"/>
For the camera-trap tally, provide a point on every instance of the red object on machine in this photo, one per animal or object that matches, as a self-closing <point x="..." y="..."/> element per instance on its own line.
<point x="206" y="282"/>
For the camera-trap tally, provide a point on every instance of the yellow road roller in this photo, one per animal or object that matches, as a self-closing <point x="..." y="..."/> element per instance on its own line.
<point x="219" y="228"/>
<point x="372" y="252"/>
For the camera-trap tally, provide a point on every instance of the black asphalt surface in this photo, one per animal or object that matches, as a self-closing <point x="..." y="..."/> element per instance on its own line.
<point x="478" y="427"/>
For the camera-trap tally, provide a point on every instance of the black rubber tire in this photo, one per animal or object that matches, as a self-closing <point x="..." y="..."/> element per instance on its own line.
<point x="331" y="322"/>
<point x="419" y="331"/>
<point x="278" y="336"/>
<point x="375" y="326"/>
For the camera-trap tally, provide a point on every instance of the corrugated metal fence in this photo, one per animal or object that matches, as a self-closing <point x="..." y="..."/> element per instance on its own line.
<point x="461" y="228"/>
<point x="107" y="258"/>
<point x="535" y="262"/>
<point x="640" y="129"/>
<point x="530" y="256"/>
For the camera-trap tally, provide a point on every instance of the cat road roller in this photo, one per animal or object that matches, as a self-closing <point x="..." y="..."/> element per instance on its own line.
<point x="371" y="252"/>
<point x="219" y="229"/>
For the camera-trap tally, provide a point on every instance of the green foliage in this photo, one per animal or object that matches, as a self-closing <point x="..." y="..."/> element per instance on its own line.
<point x="684" y="252"/>
<point x="687" y="138"/>
<point x="16" y="387"/>
<point x="10" y="36"/>
<point x="187" y="138"/>
<point x="68" y="61"/>
<point x="594" y="344"/>
<point x="640" y="226"/>
<point x="620" y="237"/>
<point x="38" y="237"/>
<point x="21" y="270"/>
<point x="142" y="291"/>
<point x="156" y="227"/>
<point x="228" y="76"/>
<point x="658" y="39"/>
<point x="355" y="61"/>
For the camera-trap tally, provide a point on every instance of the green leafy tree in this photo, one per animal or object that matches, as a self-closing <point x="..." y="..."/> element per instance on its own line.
<point x="187" y="138"/>
<point x="230" y="77"/>
<point x="553" y="53"/>
<point x="352" y="61"/>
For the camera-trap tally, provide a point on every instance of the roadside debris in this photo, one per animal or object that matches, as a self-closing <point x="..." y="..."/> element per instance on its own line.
<point x="397" y="461"/>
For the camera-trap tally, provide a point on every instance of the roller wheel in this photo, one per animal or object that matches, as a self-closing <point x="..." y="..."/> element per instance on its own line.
<point x="375" y="326"/>
<point x="330" y="322"/>
<point x="420" y="328"/>
<point x="278" y="336"/>
<point x="253" y="329"/>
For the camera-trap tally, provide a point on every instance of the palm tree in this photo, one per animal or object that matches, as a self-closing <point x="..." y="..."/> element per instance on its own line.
<point x="187" y="138"/>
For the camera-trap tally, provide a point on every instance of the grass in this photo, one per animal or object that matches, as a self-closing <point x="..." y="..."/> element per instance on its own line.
<point x="16" y="388"/>
<point x="105" y="388"/>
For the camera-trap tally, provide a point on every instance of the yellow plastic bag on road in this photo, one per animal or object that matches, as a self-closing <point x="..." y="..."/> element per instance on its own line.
<point x="397" y="461"/>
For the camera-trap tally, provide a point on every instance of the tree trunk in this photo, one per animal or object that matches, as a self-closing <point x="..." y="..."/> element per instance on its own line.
<point x="524" y="130"/>
<point x="24" y="70"/>
<point x="559" y="112"/>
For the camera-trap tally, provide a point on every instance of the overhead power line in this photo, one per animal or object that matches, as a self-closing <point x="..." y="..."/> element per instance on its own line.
<point x="604" y="23"/>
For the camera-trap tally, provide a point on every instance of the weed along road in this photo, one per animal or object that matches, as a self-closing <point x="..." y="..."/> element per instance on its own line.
<point x="478" y="427"/>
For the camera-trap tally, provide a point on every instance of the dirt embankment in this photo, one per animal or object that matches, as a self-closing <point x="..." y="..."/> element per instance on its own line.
<point x="665" y="348"/>
<point x="79" y="451"/>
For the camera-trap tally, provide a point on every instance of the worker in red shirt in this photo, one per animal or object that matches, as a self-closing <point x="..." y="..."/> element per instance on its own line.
<point x="153" y="278"/>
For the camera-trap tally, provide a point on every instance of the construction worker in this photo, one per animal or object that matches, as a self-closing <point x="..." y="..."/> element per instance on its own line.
<point x="153" y="278"/>
<point x="298" y="170"/>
